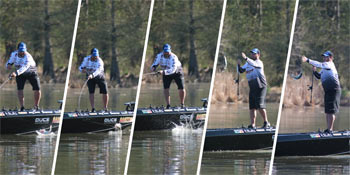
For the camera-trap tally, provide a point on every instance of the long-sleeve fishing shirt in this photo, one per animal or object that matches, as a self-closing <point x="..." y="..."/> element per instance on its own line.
<point x="170" y="65"/>
<point x="328" y="74"/>
<point x="92" y="67"/>
<point x="22" y="64"/>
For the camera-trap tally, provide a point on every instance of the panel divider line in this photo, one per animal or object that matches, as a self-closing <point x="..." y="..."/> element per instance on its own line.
<point x="66" y="87"/>
<point x="139" y="86"/>
<point x="211" y="86"/>
<point x="284" y="86"/>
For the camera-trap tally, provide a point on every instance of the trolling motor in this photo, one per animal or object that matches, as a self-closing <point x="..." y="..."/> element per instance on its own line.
<point x="311" y="86"/>
<point x="61" y="103"/>
<point x="130" y="106"/>
<point x="237" y="80"/>
<point x="205" y="102"/>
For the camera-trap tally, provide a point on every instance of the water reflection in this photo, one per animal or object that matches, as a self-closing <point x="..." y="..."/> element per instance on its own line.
<point x="165" y="152"/>
<point x="102" y="153"/>
<point x="26" y="154"/>
<point x="236" y="162"/>
<point x="331" y="165"/>
<point x="295" y="120"/>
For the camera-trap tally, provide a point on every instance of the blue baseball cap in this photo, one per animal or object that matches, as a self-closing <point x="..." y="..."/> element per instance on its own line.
<point x="94" y="52"/>
<point x="327" y="53"/>
<point x="22" y="47"/>
<point x="255" y="50"/>
<point x="167" y="48"/>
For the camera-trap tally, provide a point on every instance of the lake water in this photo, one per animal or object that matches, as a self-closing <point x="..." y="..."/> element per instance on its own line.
<point x="294" y="120"/>
<point x="167" y="151"/>
<point x="237" y="162"/>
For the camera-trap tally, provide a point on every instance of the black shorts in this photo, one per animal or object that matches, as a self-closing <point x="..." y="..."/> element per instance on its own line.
<point x="332" y="101"/>
<point x="100" y="81"/>
<point x="33" y="80"/>
<point x="179" y="80"/>
<point x="256" y="95"/>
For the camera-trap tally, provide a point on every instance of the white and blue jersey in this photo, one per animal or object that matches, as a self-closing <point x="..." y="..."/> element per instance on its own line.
<point x="170" y="65"/>
<point x="329" y="74"/>
<point x="95" y="68"/>
<point x="255" y="70"/>
<point x="22" y="64"/>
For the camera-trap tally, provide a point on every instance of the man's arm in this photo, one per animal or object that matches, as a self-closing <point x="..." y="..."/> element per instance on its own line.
<point x="10" y="62"/>
<point x="83" y="65"/>
<point x="155" y="63"/>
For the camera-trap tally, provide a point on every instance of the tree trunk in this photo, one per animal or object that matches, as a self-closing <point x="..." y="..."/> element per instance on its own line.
<point x="193" y="65"/>
<point x="288" y="19"/>
<point x="115" y="75"/>
<point x="48" y="63"/>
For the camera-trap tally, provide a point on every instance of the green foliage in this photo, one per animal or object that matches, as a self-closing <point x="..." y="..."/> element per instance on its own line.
<point x="171" y="24"/>
<point x="323" y="25"/>
<point x="23" y="21"/>
<point x="95" y="28"/>
<point x="258" y="24"/>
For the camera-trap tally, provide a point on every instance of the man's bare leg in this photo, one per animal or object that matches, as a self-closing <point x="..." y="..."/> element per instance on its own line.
<point x="182" y="94"/>
<point x="20" y="97"/>
<point x="330" y="121"/>
<point x="167" y="96"/>
<point x="92" y="100"/>
<point x="105" y="98"/>
<point x="37" y="97"/>
<point x="252" y="117"/>
<point x="263" y="114"/>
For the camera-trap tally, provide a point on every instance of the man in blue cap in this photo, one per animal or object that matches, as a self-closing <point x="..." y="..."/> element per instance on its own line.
<point x="331" y="86"/>
<point x="171" y="69"/>
<point x="254" y="69"/>
<point x="25" y="70"/>
<point x="92" y="65"/>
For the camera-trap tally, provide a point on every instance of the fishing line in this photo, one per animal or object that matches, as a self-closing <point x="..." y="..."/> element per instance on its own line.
<point x="4" y="83"/>
<point x="81" y="92"/>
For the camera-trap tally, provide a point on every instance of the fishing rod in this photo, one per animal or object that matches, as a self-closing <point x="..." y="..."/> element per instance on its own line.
<point x="237" y="79"/>
<point x="312" y="85"/>
<point x="8" y="79"/>
<point x="81" y="92"/>
<point x="152" y="73"/>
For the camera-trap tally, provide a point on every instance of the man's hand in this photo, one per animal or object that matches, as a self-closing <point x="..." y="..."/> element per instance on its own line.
<point x="154" y="68"/>
<point x="160" y="72"/>
<point x="239" y="62"/>
<point x="83" y="70"/>
<point x="9" y="66"/>
<point x="13" y="74"/>
<point x="90" y="77"/>
<point x="314" y="68"/>
<point x="244" y="56"/>
<point x="303" y="58"/>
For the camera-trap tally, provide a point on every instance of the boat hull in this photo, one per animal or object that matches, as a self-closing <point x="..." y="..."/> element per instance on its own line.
<point x="225" y="139"/>
<point x="88" y="122"/>
<point x="159" y="119"/>
<point x="25" y="122"/>
<point x="313" y="144"/>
